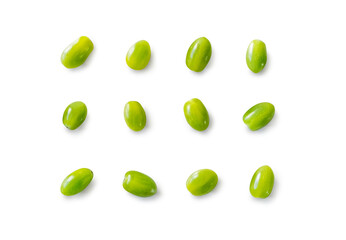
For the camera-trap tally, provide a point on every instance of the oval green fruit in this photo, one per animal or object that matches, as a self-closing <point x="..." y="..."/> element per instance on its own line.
<point x="138" y="55"/>
<point x="139" y="184"/>
<point x="77" y="52"/>
<point x="256" y="56"/>
<point x="74" y="115"/>
<point x="76" y="181"/>
<point x="259" y="115"/>
<point x="196" y="114"/>
<point x="262" y="182"/>
<point x="201" y="182"/>
<point x="198" y="55"/>
<point x="134" y="115"/>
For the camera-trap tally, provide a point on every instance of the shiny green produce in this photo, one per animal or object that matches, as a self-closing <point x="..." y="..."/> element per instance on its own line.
<point x="74" y="115"/>
<point x="77" y="52"/>
<point x="262" y="182"/>
<point x="138" y="55"/>
<point x="76" y="181"/>
<point x="259" y="115"/>
<point x="201" y="182"/>
<point x="134" y="115"/>
<point x="139" y="184"/>
<point x="198" y="55"/>
<point x="196" y="114"/>
<point x="256" y="56"/>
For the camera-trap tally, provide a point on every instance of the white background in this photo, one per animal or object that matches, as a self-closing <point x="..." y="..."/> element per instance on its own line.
<point x="304" y="144"/>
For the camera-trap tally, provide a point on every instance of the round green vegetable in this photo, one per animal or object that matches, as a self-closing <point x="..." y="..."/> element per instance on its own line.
<point x="134" y="115"/>
<point x="259" y="115"/>
<point x="74" y="115"/>
<point x="76" y="181"/>
<point x="139" y="184"/>
<point x="138" y="55"/>
<point x="201" y="182"/>
<point x="198" y="55"/>
<point x="256" y="56"/>
<point x="77" y="52"/>
<point x="196" y="114"/>
<point x="262" y="182"/>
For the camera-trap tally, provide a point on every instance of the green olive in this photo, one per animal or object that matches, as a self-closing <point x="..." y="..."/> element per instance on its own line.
<point x="256" y="56"/>
<point x="134" y="115"/>
<point x="262" y="182"/>
<point x="198" y="55"/>
<point x="138" y="55"/>
<point x="201" y="182"/>
<point x="74" y="115"/>
<point x="196" y="114"/>
<point x="77" y="52"/>
<point x="259" y="115"/>
<point x="76" y="181"/>
<point x="139" y="184"/>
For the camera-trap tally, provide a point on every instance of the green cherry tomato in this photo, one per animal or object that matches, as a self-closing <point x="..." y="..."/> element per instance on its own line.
<point x="139" y="184"/>
<point x="256" y="56"/>
<point x="201" y="182"/>
<point x="196" y="114"/>
<point x="76" y="181"/>
<point x="138" y="55"/>
<point x="262" y="182"/>
<point x="74" y="115"/>
<point x="134" y="115"/>
<point x="77" y="52"/>
<point x="198" y="55"/>
<point x="259" y="115"/>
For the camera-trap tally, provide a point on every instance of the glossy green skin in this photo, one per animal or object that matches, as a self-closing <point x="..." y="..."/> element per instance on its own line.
<point x="139" y="184"/>
<point x="201" y="182"/>
<point x="138" y="55"/>
<point x="76" y="181"/>
<point x="256" y="56"/>
<point x="77" y="52"/>
<point x="259" y="115"/>
<point x="262" y="182"/>
<point x="198" y="55"/>
<point x="134" y="115"/>
<point x="74" y="115"/>
<point x="196" y="114"/>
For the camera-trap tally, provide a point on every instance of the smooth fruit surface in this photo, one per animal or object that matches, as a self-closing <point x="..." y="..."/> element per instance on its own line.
<point x="76" y="181"/>
<point x="262" y="182"/>
<point x="196" y="114"/>
<point x="134" y="115"/>
<point x="259" y="115"/>
<point x="138" y="55"/>
<point x="74" y="115"/>
<point x="201" y="182"/>
<point x="198" y="55"/>
<point x="256" y="56"/>
<point x="77" y="52"/>
<point x="139" y="184"/>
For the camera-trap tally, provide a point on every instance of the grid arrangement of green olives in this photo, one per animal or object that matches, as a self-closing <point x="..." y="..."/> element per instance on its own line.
<point x="200" y="182"/>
